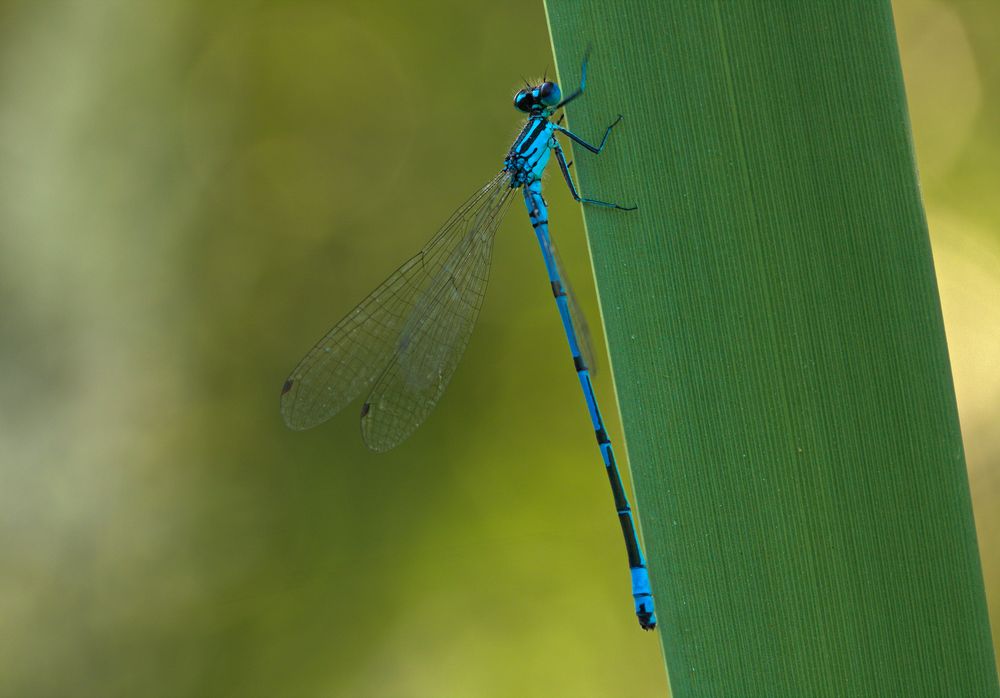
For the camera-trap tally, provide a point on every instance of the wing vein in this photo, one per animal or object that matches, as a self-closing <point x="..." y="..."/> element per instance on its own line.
<point x="352" y="356"/>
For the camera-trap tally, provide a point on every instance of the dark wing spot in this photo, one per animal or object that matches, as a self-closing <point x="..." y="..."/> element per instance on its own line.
<point x="364" y="409"/>
<point x="287" y="386"/>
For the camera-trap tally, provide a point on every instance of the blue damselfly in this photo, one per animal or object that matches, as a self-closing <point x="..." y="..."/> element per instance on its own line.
<point x="403" y="342"/>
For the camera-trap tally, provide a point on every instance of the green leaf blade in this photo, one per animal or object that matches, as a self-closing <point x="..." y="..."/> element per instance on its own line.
<point x="778" y="349"/>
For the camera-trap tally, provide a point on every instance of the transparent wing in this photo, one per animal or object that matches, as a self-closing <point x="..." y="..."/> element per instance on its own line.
<point x="349" y="359"/>
<point x="576" y="315"/>
<point x="433" y="338"/>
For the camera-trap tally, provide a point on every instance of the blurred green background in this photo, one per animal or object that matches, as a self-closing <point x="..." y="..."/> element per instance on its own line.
<point x="190" y="195"/>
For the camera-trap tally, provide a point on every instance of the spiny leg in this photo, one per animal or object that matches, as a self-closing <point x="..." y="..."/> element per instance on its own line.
<point x="564" y="167"/>
<point x="583" y="81"/>
<point x="595" y="149"/>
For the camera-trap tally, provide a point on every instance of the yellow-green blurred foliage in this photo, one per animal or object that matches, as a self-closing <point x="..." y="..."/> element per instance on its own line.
<point x="951" y="66"/>
<point x="190" y="194"/>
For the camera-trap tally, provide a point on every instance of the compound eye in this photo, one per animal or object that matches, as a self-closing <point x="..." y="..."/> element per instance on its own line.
<point x="522" y="100"/>
<point x="549" y="94"/>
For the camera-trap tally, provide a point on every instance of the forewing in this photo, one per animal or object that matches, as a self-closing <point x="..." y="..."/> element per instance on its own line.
<point x="434" y="336"/>
<point x="348" y="360"/>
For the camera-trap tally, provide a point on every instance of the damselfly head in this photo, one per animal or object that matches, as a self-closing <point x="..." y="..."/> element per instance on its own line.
<point x="549" y="94"/>
<point x="539" y="98"/>
<point x="522" y="100"/>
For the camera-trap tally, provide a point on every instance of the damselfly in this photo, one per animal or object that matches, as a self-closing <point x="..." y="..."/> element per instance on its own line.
<point x="403" y="342"/>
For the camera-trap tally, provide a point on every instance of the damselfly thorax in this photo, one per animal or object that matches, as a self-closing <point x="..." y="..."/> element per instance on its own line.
<point x="530" y="153"/>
